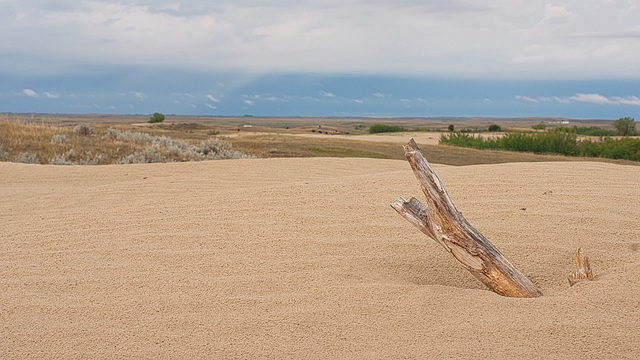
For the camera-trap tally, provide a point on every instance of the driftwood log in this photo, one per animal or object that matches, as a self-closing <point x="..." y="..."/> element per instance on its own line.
<point x="441" y="221"/>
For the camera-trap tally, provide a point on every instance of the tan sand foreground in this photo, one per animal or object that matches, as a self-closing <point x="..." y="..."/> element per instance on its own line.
<point x="305" y="259"/>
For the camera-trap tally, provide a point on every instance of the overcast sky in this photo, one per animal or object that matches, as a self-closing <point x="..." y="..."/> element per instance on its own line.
<point x="106" y="51"/>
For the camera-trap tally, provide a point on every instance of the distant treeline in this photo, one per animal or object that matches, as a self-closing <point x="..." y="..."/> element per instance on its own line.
<point x="558" y="141"/>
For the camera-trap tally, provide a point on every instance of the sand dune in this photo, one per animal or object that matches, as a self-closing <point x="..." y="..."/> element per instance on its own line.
<point x="304" y="258"/>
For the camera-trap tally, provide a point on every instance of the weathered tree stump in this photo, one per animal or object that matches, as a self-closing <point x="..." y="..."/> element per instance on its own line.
<point x="441" y="221"/>
<point x="583" y="270"/>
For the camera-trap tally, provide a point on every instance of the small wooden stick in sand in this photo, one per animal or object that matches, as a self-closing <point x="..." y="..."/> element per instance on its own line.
<point x="583" y="271"/>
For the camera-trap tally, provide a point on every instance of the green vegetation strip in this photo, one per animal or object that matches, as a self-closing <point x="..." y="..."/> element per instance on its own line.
<point x="382" y="128"/>
<point x="589" y="131"/>
<point x="558" y="141"/>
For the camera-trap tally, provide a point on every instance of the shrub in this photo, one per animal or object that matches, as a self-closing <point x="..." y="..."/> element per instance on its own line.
<point x="589" y="131"/>
<point x="594" y="131"/>
<point x="27" y="158"/>
<point x="214" y="148"/>
<point x="494" y="127"/>
<point x="164" y="149"/>
<point x="156" y="118"/>
<point x="129" y="136"/>
<point x="466" y="140"/>
<point x="3" y="154"/>
<point x="589" y="148"/>
<point x="382" y="128"/>
<point x="70" y="158"/>
<point x="58" y="139"/>
<point x="540" y="126"/>
<point x="60" y="160"/>
<point x="550" y="142"/>
<point x="167" y="142"/>
<point x="83" y="129"/>
<point x="626" y="148"/>
<point x="149" y="155"/>
<point x="567" y="129"/>
<point x="451" y="127"/>
<point x="89" y="159"/>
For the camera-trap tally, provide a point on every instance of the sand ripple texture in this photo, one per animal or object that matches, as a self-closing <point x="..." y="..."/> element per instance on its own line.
<point x="305" y="259"/>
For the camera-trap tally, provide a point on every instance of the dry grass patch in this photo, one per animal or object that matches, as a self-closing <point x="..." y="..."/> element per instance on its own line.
<point x="274" y="145"/>
<point x="85" y="144"/>
<point x="39" y="141"/>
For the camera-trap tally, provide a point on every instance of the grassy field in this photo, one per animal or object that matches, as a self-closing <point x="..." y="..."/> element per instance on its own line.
<point x="87" y="144"/>
<point x="56" y="139"/>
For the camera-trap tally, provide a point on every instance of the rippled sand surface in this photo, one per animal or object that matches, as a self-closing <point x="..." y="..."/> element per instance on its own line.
<point x="304" y="258"/>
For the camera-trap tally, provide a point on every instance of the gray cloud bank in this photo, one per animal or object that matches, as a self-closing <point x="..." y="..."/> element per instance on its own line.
<point x="459" y="38"/>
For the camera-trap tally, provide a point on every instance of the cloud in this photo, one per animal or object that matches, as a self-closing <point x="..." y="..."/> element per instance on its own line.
<point x="358" y="101"/>
<point x="564" y="100"/>
<point x="138" y="94"/>
<point x="591" y="98"/>
<point x="585" y="98"/>
<point x="50" y="95"/>
<point x="249" y="102"/>
<point x="29" y="93"/>
<point x="527" y="98"/>
<point x="210" y="106"/>
<point x="210" y="97"/>
<point x="628" y="100"/>
<point x="555" y="12"/>
<point x="327" y="94"/>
